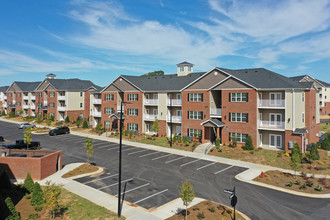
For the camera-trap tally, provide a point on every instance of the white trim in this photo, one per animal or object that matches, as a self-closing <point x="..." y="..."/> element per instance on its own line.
<point x="275" y="136"/>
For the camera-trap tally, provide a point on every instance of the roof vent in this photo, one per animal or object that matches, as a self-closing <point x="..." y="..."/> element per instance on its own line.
<point x="51" y="76"/>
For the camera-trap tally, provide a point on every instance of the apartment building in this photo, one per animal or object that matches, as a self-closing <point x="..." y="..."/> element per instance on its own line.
<point x="63" y="98"/>
<point x="3" y="98"/>
<point x="324" y="92"/>
<point x="21" y="96"/>
<point x="221" y="103"/>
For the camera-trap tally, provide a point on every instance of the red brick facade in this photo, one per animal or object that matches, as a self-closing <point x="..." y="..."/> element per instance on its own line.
<point x="108" y="104"/>
<point x="310" y="116"/>
<point x="52" y="110"/>
<point x="134" y="105"/>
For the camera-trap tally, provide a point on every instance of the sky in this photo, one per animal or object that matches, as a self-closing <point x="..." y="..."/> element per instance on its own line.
<point x="100" y="40"/>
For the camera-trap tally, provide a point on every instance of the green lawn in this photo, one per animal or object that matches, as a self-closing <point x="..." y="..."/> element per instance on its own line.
<point x="325" y="127"/>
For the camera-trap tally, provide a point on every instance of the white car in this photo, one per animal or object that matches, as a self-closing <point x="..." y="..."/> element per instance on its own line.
<point x="26" y="125"/>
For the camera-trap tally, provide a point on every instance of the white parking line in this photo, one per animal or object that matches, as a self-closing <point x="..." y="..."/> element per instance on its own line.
<point x="133" y="189"/>
<point x="174" y="159"/>
<point x="107" y="145"/>
<point x="149" y="154"/>
<point x="150" y="196"/>
<point x="114" y="148"/>
<point x="115" y="184"/>
<point x="223" y="169"/>
<point x="128" y="149"/>
<point x="100" y="143"/>
<point x="100" y="178"/>
<point x="205" y="166"/>
<point x="137" y="152"/>
<point x="182" y="165"/>
<point x="161" y="157"/>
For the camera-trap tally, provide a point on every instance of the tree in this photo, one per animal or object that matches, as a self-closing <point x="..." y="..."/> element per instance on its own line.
<point x="98" y="128"/>
<point x="13" y="214"/>
<point x="28" y="183"/>
<point x="248" y="143"/>
<point x="78" y="121"/>
<point x="174" y="139"/>
<point x="154" y="73"/>
<point x="296" y="157"/>
<point x="314" y="153"/>
<point x="85" y="124"/>
<point x="37" y="195"/>
<point x="325" y="144"/>
<point x="155" y="126"/>
<point x="179" y="139"/>
<point x="27" y="137"/>
<point x="20" y="112"/>
<point x="130" y="134"/>
<point x="187" y="194"/>
<point x="89" y="148"/>
<point x="52" y="194"/>
<point x="49" y="120"/>
<point x="39" y="119"/>
<point x="67" y="119"/>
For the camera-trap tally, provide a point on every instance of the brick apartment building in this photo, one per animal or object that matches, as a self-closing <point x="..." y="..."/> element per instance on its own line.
<point x="3" y="98"/>
<point x="273" y="109"/>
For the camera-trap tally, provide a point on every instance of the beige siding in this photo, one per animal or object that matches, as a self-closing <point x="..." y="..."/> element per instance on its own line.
<point x="231" y="83"/>
<point x="162" y="106"/>
<point x="49" y="87"/>
<point x="43" y="85"/>
<point x="208" y="81"/>
<point x="124" y="85"/>
<point x="299" y="109"/>
<point x="74" y="100"/>
<point x="288" y="110"/>
<point x="111" y="88"/>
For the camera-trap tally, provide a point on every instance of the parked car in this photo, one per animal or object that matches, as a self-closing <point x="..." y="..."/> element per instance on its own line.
<point x="26" y="125"/>
<point x="2" y="139"/>
<point x="59" y="130"/>
<point x="19" y="144"/>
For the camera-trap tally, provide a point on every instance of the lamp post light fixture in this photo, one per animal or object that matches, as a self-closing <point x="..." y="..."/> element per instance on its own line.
<point x="120" y="149"/>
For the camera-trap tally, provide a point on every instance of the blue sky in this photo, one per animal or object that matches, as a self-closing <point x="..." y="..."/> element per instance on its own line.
<point x="99" y="40"/>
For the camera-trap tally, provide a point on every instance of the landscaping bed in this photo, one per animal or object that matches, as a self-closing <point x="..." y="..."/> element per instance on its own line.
<point x="82" y="169"/>
<point x="207" y="210"/>
<point x="300" y="183"/>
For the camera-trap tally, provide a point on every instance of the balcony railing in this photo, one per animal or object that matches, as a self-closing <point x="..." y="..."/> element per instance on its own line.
<point x="118" y="108"/>
<point x="97" y="101"/>
<point x="151" y="101"/>
<point x="271" y="124"/>
<point x="33" y="97"/>
<point x="97" y="114"/>
<point x="61" y="108"/>
<point x="14" y="102"/>
<point x="25" y="106"/>
<point x="33" y="106"/>
<point x="150" y="117"/>
<point x="177" y="102"/>
<point x="4" y="105"/>
<point x="45" y="103"/>
<point x="174" y="119"/>
<point x="5" y="97"/>
<point x="215" y="112"/>
<point x="272" y="103"/>
<point x="61" y="97"/>
<point x="25" y="97"/>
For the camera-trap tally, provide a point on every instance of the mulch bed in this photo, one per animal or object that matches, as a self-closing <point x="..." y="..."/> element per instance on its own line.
<point x="280" y="179"/>
<point x="85" y="168"/>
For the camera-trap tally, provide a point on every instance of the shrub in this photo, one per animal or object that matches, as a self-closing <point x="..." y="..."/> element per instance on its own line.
<point x="12" y="114"/>
<point x="289" y="184"/>
<point x="303" y="186"/>
<point x="252" y="152"/>
<point x="28" y="183"/>
<point x="67" y="119"/>
<point x="130" y="134"/>
<point x="217" y="143"/>
<point x="39" y="119"/>
<point x="38" y="208"/>
<point x="325" y="144"/>
<point x="13" y="215"/>
<point x="78" y="121"/>
<point x="297" y="182"/>
<point x="310" y="183"/>
<point x="59" y="123"/>
<point x="98" y="128"/>
<point x="85" y="124"/>
<point x="126" y="133"/>
<point x="314" y="153"/>
<point x="27" y="196"/>
<point x="200" y="215"/>
<point x="319" y="188"/>
<point x="211" y="209"/>
<point x="234" y="142"/>
<point x="149" y="138"/>
<point x="37" y="196"/>
<point x="248" y="144"/>
<point x="33" y="216"/>
<point x="179" y="139"/>
<point x="194" y="145"/>
<point x="174" y="139"/>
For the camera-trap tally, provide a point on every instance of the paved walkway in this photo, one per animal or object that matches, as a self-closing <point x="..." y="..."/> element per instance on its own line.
<point x="203" y="148"/>
<point x="167" y="210"/>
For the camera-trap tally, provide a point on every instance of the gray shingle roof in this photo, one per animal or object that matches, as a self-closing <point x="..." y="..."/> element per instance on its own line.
<point x="215" y="121"/>
<point x="170" y="82"/>
<point x="300" y="131"/>
<point x="98" y="89"/>
<point x="27" y="86"/>
<point x="324" y="83"/>
<point x="3" y="88"/>
<point x="184" y="63"/>
<point x="71" y="84"/>
<point x="298" y="78"/>
<point x="261" y="78"/>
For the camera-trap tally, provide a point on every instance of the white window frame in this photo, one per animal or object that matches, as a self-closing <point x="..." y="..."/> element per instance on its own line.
<point x="51" y="105"/>
<point x="275" y="139"/>
<point x="108" y="110"/>
<point x="132" y="127"/>
<point x="303" y="117"/>
<point x="240" y="137"/>
<point x="109" y="97"/>
<point x="303" y="97"/>
<point x="195" y="97"/>
<point x="107" y="124"/>
<point x="147" y="128"/>
<point x="192" y="132"/>
<point x="133" y="97"/>
<point x="275" y="122"/>
<point x="132" y="111"/>
<point x="51" y="94"/>
<point x="238" y="117"/>
<point x="195" y="115"/>
<point x="155" y="112"/>
<point x="238" y="97"/>
<point x="277" y="97"/>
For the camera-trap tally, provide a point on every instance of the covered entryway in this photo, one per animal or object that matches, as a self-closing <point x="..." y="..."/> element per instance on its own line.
<point x="212" y="129"/>
<point x="115" y="118"/>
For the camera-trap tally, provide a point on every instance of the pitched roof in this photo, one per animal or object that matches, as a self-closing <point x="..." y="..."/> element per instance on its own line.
<point x="27" y="86"/>
<point x="300" y="131"/>
<point x="184" y="63"/>
<point x="3" y="88"/>
<point x="262" y="78"/>
<point x="216" y="122"/>
<point x="170" y="82"/>
<point x="98" y="89"/>
<point x="324" y="83"/>
<point x="71" y="84"/>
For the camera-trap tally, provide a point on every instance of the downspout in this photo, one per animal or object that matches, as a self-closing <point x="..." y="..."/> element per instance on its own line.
<point x="293" y="111"/>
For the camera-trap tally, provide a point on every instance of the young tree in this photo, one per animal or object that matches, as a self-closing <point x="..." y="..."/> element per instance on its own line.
<point x="39" y="119"/>
<point x="67" y="119"/>
<point x="217" y="143"/>
<point x="27" y="137"/>
<point x="155" y="126"/>
<point x="85" y="124"/>
<point x="20" y="112"/>
<point x="37" y="195"/>
<point x="325" y="144"/>
<point x="13" y="214"/>
<point x="52" y="194"/>
<point x="296" y="157"/>
<point x="314" y="153"/>
<point x="130" y="134"/>
<point x="98" y="128"/>
<point x="248" y="143"/>
<point x="28" y="183"/>
<point x="89" y="148"/>
<point x="179" y="139"/>
<point x="49" y="120"/>
<point x="78" y="121"/>
<point x="187" y="194"/>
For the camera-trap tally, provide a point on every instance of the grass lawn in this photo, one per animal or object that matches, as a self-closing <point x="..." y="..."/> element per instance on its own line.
<point x="325" y="128"/>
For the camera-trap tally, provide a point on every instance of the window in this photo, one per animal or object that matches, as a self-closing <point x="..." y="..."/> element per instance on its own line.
<point x="51" y="105"/>
<point x="238" y="97"/>
<point x="275" y="140"/>
<point x="39" y="94"/>
<point x="109" y="97"/>
<point x="52" y="94"/>
<point x="81" y="94"/>
<point x="39" y="104"/>
<point x="181" y="68"/>
<point x="132" y="97"/>
<point x="303" y="117"/>
<point x="195" y="115"/>
<point x="18" y="103"/>
<point x="51" y="115"/>
<point x="9" y="103"/>
<point x="81" y="105"/>
<point x="108" y="110"/>
<point x="195" y="133"/>
<point x="189" y="68"/>
<point x="132" y="111"/>
<point x="132" y="127"/>
<point x="239" y="137"/>
<point x="19" y="94"/>
<point x="303" y="97"/>
<point x="9" y="94"/>
<point x="107" y="124"/>
<point x="195" y="97"/>
<point x="238" y="117"/>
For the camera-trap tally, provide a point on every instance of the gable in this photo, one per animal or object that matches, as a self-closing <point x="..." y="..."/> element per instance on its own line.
<point x="14" y="88"/>
<point x="111" y="88"/>
<point x="231" y="83"/>
<point x="208" y="80"/>
<point x="49" y="87"/>
<point x="124" y="85"/>
<point x="43" y="85"/>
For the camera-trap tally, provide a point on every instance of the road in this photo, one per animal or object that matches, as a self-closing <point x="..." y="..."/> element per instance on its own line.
<point x="152" y="178"/>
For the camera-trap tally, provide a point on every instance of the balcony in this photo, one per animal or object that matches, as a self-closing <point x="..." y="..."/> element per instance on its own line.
<point x="5" y="97"/>
<point x="4" y="105"/>
<point x="33" y="106"/>
<point x="61" y="108"/>
<point x="175" y="102"/>
<point x="175" y="119"/>
<point x="151" y="101"/>
<point x="270" y="103"/>
<point x="271" y="125"/>
<point x="33" y="97"/>
<point x="45" y="103"/>
<point x="25" y="97"/>
<point x="215" y="112"/>
<point x="96" y="114"/>
<point x="97" y="101"/>
<point x="14" y="102"/>
<point x="25" y="106"/>
<point x="61" y="97"/>
<point x="149" y="117"/>
<point x="118" y="108"/>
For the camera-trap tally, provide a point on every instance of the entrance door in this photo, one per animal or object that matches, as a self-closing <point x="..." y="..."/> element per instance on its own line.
<point x="213" y="135"/>
<point x="147" y="128"/>
<point x="260" y="140"/>
<point x="275" y="119"/>
<point x="275" y="140"/>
